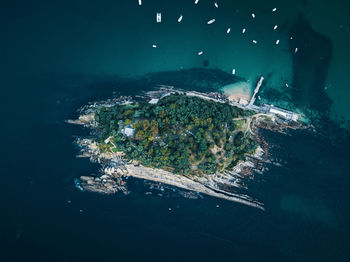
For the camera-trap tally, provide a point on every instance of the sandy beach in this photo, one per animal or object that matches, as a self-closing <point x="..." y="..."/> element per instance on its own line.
<point x="238" y="92"/>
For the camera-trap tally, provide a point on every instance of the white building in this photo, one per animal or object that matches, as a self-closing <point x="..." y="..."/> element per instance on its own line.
<point x="284" y="113"/>
<point x="128" y="131"/>
<point x="153" y="101"/>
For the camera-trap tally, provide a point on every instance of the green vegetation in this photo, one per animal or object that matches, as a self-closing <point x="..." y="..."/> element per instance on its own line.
<point x="186" y="135"/>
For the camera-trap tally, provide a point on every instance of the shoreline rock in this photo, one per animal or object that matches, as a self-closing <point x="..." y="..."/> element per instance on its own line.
<point x="115" y="168"/>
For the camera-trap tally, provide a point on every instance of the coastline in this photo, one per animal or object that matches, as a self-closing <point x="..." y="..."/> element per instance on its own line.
<point x="116" y="169"/>
<point x="238" y="92"/>
<point x="227" y="185"/>
<point x="165" y="177"/>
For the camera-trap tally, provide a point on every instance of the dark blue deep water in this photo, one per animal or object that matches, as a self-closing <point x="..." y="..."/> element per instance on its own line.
<point x="56" y="57"/>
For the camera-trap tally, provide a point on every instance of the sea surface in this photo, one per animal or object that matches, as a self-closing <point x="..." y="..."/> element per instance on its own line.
<point x="57" y="56"/>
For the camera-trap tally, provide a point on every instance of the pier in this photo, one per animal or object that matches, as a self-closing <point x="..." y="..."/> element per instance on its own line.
<point x="256" y="90"/>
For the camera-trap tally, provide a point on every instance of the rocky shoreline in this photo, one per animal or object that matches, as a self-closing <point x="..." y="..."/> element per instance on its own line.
<point x="116" y="168"/>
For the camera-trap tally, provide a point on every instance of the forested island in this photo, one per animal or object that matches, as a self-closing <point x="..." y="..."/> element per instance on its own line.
<point x="182" y="134"/>
<point x="200" y="142"/>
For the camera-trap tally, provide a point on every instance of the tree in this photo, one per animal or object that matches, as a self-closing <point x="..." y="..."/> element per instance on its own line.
<point x="140" y="135"/>
<point x="202" y="147"/>
<point x="145" y="124"/>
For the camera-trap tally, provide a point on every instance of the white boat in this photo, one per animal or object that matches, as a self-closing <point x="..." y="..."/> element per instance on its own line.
<point x="180" y="18"/>
<point x="211" y="21"/>
<point x="277" y="42"/>
<point x="274" y="10"/>
<point x="159" y="17"/>
<point x="275" y="27"/>
<point x="140" y="2"/>
<point x="216" y="5"/>
<point x="196" y="2"/>
<point x="253" y="15"/>
<point x="228" y="30"/>
<point x="243" y="31"/>
<point x="200" y="53"/>
<point x="233" y="71"/>
<point x="255" y="42"/>
<point x="296" y="50"/>
<point x="154" y="46"/>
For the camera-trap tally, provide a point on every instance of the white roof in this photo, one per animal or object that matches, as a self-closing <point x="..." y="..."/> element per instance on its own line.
<point x="153" y="101"/>
<point x="128" y="131"/>
<point x="107" y="140"/>
<point x="276" y="111"/>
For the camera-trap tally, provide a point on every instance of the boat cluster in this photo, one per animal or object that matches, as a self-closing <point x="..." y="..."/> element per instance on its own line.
<point x="211" y="21"/>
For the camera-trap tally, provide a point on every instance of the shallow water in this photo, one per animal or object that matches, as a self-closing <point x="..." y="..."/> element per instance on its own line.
<point x="240" y="88"/>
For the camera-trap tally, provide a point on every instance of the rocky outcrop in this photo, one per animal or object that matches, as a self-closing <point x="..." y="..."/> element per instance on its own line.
<point x="108" y="183"/>
<point x="87" y="120"/>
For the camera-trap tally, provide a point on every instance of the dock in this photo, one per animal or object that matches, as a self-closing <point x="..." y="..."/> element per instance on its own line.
<point x="256" y="90"/>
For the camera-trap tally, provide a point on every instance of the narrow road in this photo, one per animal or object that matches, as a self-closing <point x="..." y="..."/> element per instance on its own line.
<point x="249" y="120"/>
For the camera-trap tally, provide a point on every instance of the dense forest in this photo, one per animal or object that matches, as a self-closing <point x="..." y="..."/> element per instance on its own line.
<point x="182" y="134"/>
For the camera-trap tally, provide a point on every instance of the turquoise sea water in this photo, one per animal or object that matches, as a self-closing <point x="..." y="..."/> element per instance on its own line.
<point x="57" y="56"/>
<point x="115" y="37"/>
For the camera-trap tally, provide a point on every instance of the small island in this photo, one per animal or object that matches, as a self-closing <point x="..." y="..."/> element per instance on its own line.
<point x="201" y="142"/>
